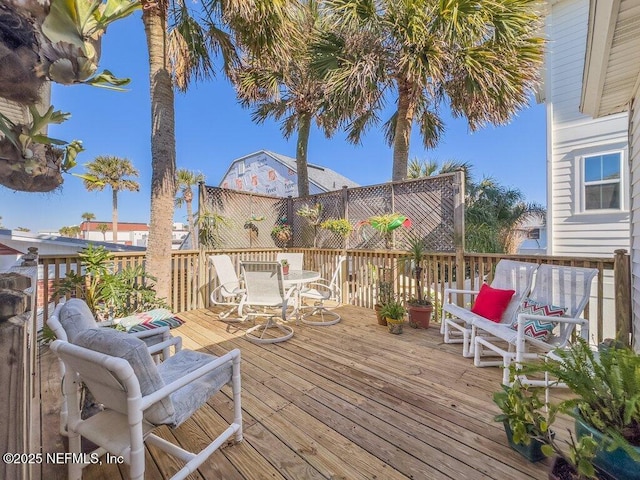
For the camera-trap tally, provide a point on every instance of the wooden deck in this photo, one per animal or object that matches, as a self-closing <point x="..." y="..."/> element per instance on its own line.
<point x="348" y="401"/>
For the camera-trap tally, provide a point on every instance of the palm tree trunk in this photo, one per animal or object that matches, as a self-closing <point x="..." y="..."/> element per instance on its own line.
<point x="114" y="214"/>
<point x="404" y="122"/>
<point x="192" y="231"/>
<point x="163" y="149"/>
<point x="301" y="154"/>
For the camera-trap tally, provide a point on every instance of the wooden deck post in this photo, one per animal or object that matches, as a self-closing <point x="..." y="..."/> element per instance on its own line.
<point x="622" y="288"/>
<point x="458" y="231"/>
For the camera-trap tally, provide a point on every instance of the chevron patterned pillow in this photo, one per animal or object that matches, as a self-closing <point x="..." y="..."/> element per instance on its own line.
<point x="538" y="329"/>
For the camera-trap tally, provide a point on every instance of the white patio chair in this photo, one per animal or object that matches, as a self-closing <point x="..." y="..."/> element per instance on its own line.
<point x="72" y="317"/>
<point x="319" y="292"/>
<point x="229" y="292"/>
<point x="509" y="275"/>
<point x="264" y="289"/>
<point x="296" y="260"/>
<point x="139" y="395"/>
<point x="561" y="287"/>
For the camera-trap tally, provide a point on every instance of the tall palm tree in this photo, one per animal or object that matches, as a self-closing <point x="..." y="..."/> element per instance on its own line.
<point x="87" y="217"/>
<point x="114" y="172"/>
<point x="282" y="83"/>
<point x="179" y="53"/>
<point x="186" y="181"/>
<point x="480" y="59"/>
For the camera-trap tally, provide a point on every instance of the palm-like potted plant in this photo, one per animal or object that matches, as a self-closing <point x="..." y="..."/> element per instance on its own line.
<point x="384" y="290"/>
<point x="419" y="307"/>
<point x="393" y="312"/>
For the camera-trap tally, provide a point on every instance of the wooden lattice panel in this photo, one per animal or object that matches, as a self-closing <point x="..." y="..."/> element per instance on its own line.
<point x="430" y="203"/>
<point x="248" y="218"/>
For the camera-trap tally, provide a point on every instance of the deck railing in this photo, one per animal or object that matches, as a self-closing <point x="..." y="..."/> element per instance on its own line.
<point x="193" y="278"/>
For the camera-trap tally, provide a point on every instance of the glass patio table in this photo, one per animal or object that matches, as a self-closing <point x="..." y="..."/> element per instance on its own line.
<point x="297" y="278"/>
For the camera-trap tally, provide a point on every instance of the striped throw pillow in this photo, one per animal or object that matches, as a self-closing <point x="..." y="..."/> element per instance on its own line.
<point x="538" y="329"/>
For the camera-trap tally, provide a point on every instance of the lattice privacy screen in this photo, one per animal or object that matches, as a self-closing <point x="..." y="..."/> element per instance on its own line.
<point x="430" y="203"/>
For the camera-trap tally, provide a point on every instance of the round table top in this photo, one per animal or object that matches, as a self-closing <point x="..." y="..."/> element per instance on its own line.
<point x="295" y="277"/>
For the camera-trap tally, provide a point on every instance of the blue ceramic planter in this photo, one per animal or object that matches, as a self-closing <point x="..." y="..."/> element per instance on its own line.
<point x="615" y="465"/>
<point x="531" y="452"/>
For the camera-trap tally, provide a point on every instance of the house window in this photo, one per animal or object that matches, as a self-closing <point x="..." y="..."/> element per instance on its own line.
<point x="601" y="180"/>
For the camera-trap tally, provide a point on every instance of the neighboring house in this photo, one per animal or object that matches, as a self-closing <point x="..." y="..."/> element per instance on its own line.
<point x="611" y="84"/>
<point x="129" y="233"/>
<point x="535" y="238"/>
<point x="588" y="193"/>
<point x="274" y="174"/>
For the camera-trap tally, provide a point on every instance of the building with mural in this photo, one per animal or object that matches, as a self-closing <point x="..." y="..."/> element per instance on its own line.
<point x="273" y="174"/>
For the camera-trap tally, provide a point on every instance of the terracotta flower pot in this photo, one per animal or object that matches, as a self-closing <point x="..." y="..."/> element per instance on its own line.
<point x="419" y="315"/>
<point x="285" y="269"/>
<point x="381" y="320"/>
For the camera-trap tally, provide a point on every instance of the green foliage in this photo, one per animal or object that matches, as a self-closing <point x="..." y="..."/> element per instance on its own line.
<point x="529" y="418"/>
<point x="607" y="390"/>
<point x="341" y="226"/>
<point x="209" y="225"/>
<point x="521" y="408"/>
<point x="109" y="293"/>
<point x="312" y="213"/>
<point x="393" y="310"/>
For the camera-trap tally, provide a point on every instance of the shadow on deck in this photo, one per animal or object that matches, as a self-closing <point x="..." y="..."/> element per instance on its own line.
<point x="348" y="401"/>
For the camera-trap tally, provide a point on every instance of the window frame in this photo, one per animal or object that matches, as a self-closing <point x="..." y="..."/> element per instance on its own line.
<point x="582" y="184"/>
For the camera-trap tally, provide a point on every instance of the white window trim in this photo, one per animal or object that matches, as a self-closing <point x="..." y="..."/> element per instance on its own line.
<point x="581" y="184"/>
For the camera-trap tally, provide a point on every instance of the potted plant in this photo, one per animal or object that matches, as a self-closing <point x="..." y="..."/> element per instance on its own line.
<point x="281" y="233"/>
<point x="339" y="226"/>
<point x="285" y="267"/>
<point x="521" y="416"/>
<point x="527" y="423"/>
<point x="393" y="312"/>
<point x="420" y="308"/>
<point x="606" y="388"/>
<point x="384" y="291"/>
<point x="313" y="214"/>
<point x="385" y="225"/>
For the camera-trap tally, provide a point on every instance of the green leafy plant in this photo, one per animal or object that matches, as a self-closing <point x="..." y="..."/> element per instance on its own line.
<point x="109" y="293"/>
<point x="340" y="226"/>
<point x="284" y="262"/>
<point x="209" y="225"/>
<point x="312" y="213"/>
<point x="393" y="310"/>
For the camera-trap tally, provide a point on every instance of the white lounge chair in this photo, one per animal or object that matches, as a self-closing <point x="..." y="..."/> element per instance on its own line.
<point x="228" y="293"/>
<point x="319" y="292"/>
<point x="296" y="260"/>
<point x="563" y="288"/>
<point x="139" y="395"/>
<point x="73" y="317"/>
<point x="458" y="319"/>
<point x="265" y="290"/>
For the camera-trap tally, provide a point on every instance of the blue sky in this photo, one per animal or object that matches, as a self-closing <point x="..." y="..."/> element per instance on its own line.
<point x="212" y="130"/>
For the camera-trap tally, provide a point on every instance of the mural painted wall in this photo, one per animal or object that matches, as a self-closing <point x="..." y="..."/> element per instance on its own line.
<point x="261" y="173"/>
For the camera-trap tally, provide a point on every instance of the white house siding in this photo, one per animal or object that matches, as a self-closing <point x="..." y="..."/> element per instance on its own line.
<point x="634" y="140"/>
<point x="573" y="135"/>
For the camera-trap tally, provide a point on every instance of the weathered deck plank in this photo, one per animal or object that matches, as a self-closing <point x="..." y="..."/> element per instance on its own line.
<point x="348" y="401"/>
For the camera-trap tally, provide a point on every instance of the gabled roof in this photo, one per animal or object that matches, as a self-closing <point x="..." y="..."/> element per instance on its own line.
<point x="324" y="178"/>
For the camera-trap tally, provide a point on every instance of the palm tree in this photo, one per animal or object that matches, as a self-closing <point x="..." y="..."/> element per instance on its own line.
<point x="481" y="59"/>
<point x="182" y="54"/>
<point x="87" y="217"/>
<point x="113" y="172"/>
<point x="103" y="227"/>
<point x="282" y="83"/>
<point x="187" y="179"/>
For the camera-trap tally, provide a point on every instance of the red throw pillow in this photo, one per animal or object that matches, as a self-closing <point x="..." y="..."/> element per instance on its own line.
<point x="492" y="302"/>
